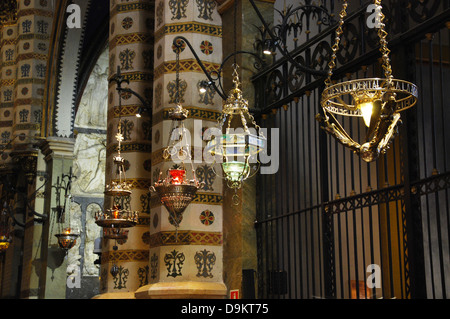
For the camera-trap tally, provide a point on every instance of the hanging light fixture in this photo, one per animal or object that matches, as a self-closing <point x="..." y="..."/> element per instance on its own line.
<point x="236" y="147"/>
<point x="5" y="229"/>
<point x="66" y="236"/>
<point x="378" y="101"/>
<point x="114" y="220"/>
<point x="176" y="191"/>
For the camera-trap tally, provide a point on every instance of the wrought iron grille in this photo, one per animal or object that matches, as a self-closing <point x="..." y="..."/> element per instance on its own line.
<point x="325" y="216"/>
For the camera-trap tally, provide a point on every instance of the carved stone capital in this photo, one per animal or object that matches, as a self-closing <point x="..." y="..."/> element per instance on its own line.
<point x="57" y="147"/>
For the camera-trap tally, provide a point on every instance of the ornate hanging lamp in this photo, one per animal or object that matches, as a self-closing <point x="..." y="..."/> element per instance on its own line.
<point x="176" y="191"/>
<point x="66" y="236"/>
<point x="5" y="229"/>
<point x="378" y="101"/>
<point x="114" y="220"/>
<point x="236" y="147"/>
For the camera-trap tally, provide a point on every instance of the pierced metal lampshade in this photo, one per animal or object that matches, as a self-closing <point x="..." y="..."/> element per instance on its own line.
<point x="378" y="101"/>
<point x="67" y="239"/>
<point x="176" y="193"/>
<point x="116" y="217"/>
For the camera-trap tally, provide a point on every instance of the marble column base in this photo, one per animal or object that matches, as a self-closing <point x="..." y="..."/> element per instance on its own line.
<point x="182" y="290"/>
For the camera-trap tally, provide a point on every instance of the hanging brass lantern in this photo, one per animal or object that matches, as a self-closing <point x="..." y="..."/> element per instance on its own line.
<point x="114" y="220"/>
<point x="176" y="191"/>
<point x="378" y="101"/>
<point x="236" y="147"/>
<point x="5" y="229"/>
<point x="67" y="238"/>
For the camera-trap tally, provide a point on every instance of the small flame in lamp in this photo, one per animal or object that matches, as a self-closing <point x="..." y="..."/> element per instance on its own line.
<point x="177" y="175"/>
<point x="66" y="240"/>
<point x="116" y="212"/>
<point x="366" y="110"/>
<point x="4" y="243"/>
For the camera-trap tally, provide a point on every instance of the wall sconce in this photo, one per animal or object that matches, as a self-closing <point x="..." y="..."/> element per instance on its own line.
<point x="378" y="101"/>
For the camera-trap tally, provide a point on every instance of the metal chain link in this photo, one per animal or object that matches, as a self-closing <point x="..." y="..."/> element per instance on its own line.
<point x="337" y="40"/>
<point x="382" y="34"/>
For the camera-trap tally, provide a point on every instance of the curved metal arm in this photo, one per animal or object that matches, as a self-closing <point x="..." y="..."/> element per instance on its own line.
<point x="144" y="103"/>
<point x="119" y="79"/>
<point x="178" y="42"/>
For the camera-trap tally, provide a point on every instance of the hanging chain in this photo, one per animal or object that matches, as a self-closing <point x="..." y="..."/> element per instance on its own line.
<point x="177" y="73"/>
<point x="382" y="34"/>
<point x="337" y="40"/>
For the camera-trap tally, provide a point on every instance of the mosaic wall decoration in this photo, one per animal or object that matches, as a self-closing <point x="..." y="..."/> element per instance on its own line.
<point x="178" y="8"/>
<point x="148" y="165"/>
<point x="143" y="275"/>
<point x="206" y="47"/>
<point x="127" y="127"/>
<point x="206" y="175"/>
<point x="172" y="89"/>
<point x="153" y="266"/>
<point x="155" y="220"/>
<point x="126" y="58"/>
<point x="185" y="237"/>
<point x="145" y="203"/>
<point x="174" y="263"/>
<point x="127" y="23"/>
<point x="205" y="260"/>
<point x="205" y="8"/>
<point x="207" y="217"/>
<point x="121" y="277"/>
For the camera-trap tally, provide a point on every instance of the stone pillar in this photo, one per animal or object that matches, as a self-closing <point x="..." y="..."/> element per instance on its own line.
<point x="24" y="49"/>
<point x="52" y="264"/>
<point x="188" y="265"/>
<point x="130" y="48"/>
<point x="240" y="249"/>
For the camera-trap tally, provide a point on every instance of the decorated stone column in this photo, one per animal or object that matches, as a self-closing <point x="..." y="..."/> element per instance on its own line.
<point x="130" y="49"/>
<point x="186" y="262"/>
<point x="52" y="264"/>
<point x="24" y="50"/>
